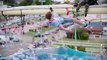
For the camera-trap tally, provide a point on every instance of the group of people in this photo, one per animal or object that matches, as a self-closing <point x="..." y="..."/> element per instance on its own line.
<point x="53" y="19"/>
<point x="59" y="21"/>
<point x="85" y="3"/>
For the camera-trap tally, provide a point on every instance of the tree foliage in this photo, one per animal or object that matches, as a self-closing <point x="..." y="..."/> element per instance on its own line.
<point x="10" y="2"/>
<point x="84" y="36"/>
<point x="47" y="2"/>
<point x="34" y="2"/>
<point x="81" y="34"/>
<point x="26" y="2"/>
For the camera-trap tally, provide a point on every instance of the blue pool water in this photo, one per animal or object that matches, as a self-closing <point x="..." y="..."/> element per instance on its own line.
<point x="52" y="53"/>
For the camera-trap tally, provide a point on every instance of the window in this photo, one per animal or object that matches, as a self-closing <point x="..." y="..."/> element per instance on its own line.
<point x="104" y="24"/>
<point x="96" y="24"/>
<point x="104" y="30"/>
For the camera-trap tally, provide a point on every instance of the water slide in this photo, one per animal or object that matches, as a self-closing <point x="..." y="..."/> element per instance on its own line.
<point x="42" y="9"/>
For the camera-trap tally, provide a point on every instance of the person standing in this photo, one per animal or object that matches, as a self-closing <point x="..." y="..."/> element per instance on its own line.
<point x="85" y="3"/>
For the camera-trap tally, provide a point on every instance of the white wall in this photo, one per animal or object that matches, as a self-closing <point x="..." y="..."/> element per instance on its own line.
<point x="3" y="6"/>
<point x="97" y="16"/>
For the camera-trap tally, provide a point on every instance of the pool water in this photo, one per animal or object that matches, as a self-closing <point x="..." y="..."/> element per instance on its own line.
<point x="53" y="53"/>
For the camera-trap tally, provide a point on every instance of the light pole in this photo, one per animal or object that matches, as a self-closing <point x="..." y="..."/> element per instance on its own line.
<point x="75" y="34"/>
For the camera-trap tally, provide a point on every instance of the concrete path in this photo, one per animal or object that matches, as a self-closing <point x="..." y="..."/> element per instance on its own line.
<point x="11" y="48"/>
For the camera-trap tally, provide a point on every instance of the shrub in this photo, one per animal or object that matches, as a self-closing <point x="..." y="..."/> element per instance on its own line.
<point x="70" y="46"/>
<point x="69" y="35"/>
<point x="81" y="34"/>
<point x="81" y="48"/>
<point x="84" y="36"/>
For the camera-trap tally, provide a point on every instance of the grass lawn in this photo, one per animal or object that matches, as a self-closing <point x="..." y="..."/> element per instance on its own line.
<point x="43" y="30"/>
<point x="31" y="33"/>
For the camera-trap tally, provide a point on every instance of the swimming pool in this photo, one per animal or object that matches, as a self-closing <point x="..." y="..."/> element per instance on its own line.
<point x="52" y="53"/>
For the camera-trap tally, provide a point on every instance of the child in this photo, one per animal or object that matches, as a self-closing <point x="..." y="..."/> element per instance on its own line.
<point x="59" y="21"/>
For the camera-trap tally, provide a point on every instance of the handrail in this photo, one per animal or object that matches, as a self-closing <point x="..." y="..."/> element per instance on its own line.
<point x="97" y="9"/>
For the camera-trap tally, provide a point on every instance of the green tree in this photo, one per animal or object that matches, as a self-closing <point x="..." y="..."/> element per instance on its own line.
<point x="10" y="2"/>
<point x="69" y="35"/>
<point x="84" y="36"/>
<point x="34" y="2"/>
<point x="37" y="2"/>
<point x="81" y="34"/>
<point x="26" y="2"/>
<point x="48" y="2"/>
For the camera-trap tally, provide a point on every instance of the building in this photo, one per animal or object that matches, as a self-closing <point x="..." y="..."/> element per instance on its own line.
<point x="1" y="3"/>
<point x="96" y="27"/>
